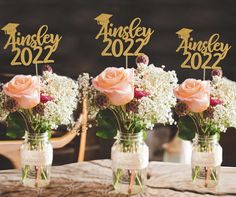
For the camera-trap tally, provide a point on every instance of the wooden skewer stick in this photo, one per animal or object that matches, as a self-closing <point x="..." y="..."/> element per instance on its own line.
<point x="37" y="176"/>
<point x="131" y="183"/>
<point x="208" y="173"/>
<point x="126" y="62"/>
<point x="204" y="74"/>
<point x="36" y="69"/>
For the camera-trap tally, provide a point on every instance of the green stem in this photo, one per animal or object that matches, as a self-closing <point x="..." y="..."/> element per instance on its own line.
<point x="195" y="123"/>
<point x="117" y="118"/>
<point x="118" y="175"/>
<point x="44" y="175"/>
<point x="140" y="184"/>
<point x="25" y="172"/>
<point x="25" y="120"/>
<point x="196" y="172"/>
<point x="213" y="173"/>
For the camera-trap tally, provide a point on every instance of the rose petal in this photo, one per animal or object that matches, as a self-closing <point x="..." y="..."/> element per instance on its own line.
<point x="195" y="93"/>
<point x="25" y="89"/>
<point x="117" y="84"/>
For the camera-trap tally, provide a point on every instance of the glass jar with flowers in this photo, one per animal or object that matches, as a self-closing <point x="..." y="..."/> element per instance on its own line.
<point x="206" y="108"/>
<point x="33" y="106"/>
<point x="126" y="103"/>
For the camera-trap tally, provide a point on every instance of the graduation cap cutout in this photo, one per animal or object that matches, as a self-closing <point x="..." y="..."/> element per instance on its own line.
<point x="184" y="33"/>
<point x="103" y="19"/>
<point x="10" y="28"/>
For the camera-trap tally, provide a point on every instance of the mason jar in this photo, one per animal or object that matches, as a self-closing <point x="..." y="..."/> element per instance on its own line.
<point x="36" y="160"/>
<point x="130" y="156"/>
<point x="206" y="161"/>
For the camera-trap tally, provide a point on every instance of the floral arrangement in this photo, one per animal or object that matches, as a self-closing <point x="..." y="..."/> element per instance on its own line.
<point x="42" y="102"/>
<point x="126" y="102"/>
<point x="33" y="106"/>
<point x="137" y="98"/>
<point x="206" y="107"/>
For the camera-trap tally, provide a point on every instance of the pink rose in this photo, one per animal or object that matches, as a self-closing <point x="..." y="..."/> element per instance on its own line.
<point x="116" y="84"/>
<point x="195" y="93"/>
<point x="25" y="89"/>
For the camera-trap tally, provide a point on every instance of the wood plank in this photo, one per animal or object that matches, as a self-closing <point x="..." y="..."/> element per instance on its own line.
<point x="94" y="179"/>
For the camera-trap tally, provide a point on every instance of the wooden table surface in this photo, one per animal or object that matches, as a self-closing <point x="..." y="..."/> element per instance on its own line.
<point x="93" y="178"/>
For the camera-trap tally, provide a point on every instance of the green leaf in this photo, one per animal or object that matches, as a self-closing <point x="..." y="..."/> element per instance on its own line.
<point x="187" y="128"/>
<point x="16" y="126"/>
<point x="107" y="124"/>
<point x="41" y="124"/>
<point x="138" y="126"/>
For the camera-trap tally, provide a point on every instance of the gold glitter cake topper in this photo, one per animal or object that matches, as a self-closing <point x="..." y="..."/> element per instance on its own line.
<point x="122" y="40"/>
<point x="201" y="54"/>
<point x="31" y="49"/>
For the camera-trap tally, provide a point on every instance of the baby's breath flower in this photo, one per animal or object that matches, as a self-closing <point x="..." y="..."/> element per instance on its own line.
<point x="156" y="106"/>
<point x="3" y="112"/>
<point x="65" y="97"/>
<point x="224" y="114"/>
<point x="86" y="89"/>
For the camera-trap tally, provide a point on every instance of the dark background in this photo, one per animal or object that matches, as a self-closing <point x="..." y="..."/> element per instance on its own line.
<point x="79" y="52"/>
